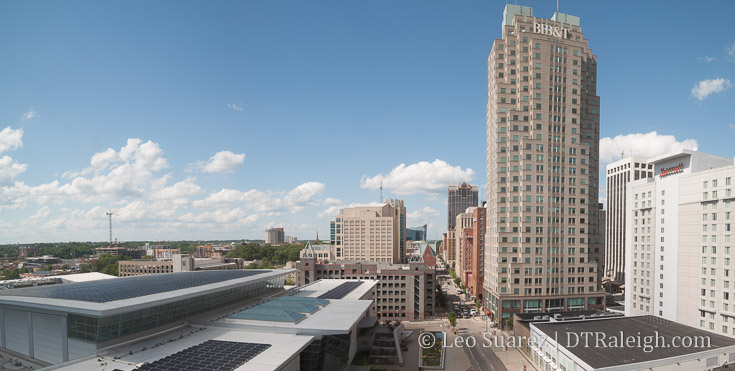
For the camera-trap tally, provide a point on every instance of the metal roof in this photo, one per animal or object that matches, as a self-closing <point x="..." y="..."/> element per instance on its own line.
<point x="102" y="291"/>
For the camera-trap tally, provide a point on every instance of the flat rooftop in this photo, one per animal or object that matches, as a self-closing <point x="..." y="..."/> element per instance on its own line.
<point x="112" y="296"/>
<point x="333" y="287"/>
<point x="131" y="287"/>
<point x="640" y="326"/>
<point x="303" y="311"/>
<point x="192" y="345"/>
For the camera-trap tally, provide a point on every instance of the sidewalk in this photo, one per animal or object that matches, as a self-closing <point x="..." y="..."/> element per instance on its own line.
<point x="455" y="359"/>
<point x="513" y="358"/>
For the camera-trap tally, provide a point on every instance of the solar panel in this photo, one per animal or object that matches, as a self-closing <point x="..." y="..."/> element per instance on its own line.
<point x="209" y="355"/>
<point x="103" y="291"/>
<point x="340" y="291"/>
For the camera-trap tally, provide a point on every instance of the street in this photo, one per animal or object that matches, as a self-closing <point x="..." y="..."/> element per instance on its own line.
<point x="480" y="357"/>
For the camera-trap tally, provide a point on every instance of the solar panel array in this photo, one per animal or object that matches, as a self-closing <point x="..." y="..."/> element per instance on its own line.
<point x="340" y="291"/>
<point x="209" y="355"/>
<point x="102" y="291"/>
<point x="282" y="309"/>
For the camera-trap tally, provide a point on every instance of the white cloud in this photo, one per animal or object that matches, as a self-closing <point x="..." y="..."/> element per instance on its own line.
<point x="221" y="162"/>
<point x="419" y="178"/>
<point x="234" y="106"/>
<point x="9" y="169"/>
<point x="42" y="213"/>
<point x="30" y="114"/>
<point x="730" y="50"/>
<point x="304" y="195"/>
<point x="10" y="139"/>
<point x="268" y="202"/>
<point x="732" y="126"/>
<point x="147" y="202"/>
<point x="705" y="88"/>
<point x="706" y="59"/>
<point x="641" y="145"/>
<point x="332" y="210"/>
<point x="421" y="215"/>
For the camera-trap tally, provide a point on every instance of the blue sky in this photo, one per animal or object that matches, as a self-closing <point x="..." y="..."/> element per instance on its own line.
<point x="124" y="106"/>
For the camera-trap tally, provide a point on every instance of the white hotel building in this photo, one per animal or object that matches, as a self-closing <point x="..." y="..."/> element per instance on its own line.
<point x="678" y="256"/>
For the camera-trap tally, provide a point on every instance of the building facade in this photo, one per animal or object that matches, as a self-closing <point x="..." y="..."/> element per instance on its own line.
<point x="463" y="240"/>
<point x="406" y="291"/>
<point x="417" y="234"/>
<point x="542" y="168"/>
<point x="178" y="263"/>
<point x="374" y="233"/>
<point x="275" y="236"/>
<point x="460" y="197"/>
<point x="678" y="242"/>
<point x="619" y="174"/>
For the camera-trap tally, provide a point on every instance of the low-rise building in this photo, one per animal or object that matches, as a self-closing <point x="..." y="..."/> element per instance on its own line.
<point x="628" y="343"/>
<point x="120" y="251"/>
<point x="406" y="291"/>
<point x="322" y="252"/>
<point x="178" y="263"/>
<point x="317" y="327"/>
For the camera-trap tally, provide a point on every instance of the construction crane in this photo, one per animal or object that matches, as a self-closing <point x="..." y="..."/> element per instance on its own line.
<point x="110" y="214"/>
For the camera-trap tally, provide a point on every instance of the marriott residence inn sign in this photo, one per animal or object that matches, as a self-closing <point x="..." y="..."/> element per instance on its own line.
<point x="546" y="29"/>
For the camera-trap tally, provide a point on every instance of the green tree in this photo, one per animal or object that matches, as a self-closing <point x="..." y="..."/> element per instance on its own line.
<point x="64" y="267"/>
<point x="453" y="319"/>
<point x="85" y="268"/>
<point x="49" y="268"/>
<point x="509" y="323"/>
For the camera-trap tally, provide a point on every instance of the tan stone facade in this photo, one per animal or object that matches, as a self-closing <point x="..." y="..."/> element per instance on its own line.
<point x="542" y="168"/>
<point x="374" y="233"/>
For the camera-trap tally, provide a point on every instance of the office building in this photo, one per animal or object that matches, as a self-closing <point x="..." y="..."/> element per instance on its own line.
<point x="131" y="253"/>
<point x="470" y="249"/>
<point x="460" y="197"/>
<point x="177" y="263"/>
<point x="416" y="234"/>
<point x="27" y="251"/>
<point x="463" y="244"/>
<point x="405" y="292"/>
<point x="619" y="174"/>
<point x="542" y="168"/>
<point x="213" y="250"/>
<point x="627" y="344"/>
<point x="678" y="242"/>
<point x="374" y="233"/>
<point x="476" y="273"/>
<point x="275" y="236"/>
<point x="450" y="247"/>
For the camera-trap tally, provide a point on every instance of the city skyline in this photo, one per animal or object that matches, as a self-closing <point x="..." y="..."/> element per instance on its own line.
<point x="198" y="122"/>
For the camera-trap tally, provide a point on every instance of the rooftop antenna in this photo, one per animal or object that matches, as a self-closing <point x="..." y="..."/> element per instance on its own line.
<point x="381" y="191"/>
<point x="110" y="214"/>
<point x="557" y="6"/>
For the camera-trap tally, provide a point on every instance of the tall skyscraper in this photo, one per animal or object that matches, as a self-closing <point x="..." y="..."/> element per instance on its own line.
<point x="374" y="233"/>
<point x="460" y="197"/>
<point x="542" y="168"/>
<point x="619" y="174"/>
